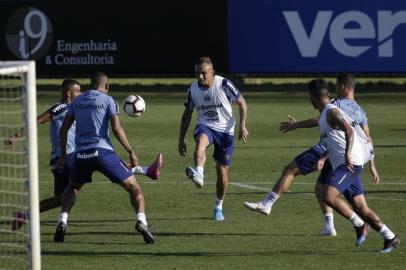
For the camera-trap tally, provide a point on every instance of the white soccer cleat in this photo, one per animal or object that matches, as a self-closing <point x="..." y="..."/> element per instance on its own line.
<point x="258" y="207"/>
<point x="328" y="231"/>
<point x="195" y="176"/>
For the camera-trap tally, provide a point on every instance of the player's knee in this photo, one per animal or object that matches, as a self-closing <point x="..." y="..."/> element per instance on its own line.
<point x="291" y="169"/>
<point x="328" y="198"/>
<point x="130" y="184"/>
<point x="359" y="205"/>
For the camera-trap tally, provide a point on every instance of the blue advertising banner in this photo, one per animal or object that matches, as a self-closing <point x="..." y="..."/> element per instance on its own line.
<point x="275" y="36"/>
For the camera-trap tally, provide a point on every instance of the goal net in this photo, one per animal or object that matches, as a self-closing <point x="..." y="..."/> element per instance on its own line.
<point x="19" y="205"/>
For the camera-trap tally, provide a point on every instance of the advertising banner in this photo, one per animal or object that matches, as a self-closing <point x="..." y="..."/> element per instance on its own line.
<point x="121" y="38"/>
<point x="290" y="36"/>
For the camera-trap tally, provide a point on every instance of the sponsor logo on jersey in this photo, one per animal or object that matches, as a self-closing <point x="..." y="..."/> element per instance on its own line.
<point x="210" y="107"/>
<point x="211" y="114"/>
<point x="81" y="106"/>
<point x="59" y="108"/>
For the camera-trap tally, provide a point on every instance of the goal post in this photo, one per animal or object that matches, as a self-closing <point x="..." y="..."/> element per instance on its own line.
<point x="19" y="167"/>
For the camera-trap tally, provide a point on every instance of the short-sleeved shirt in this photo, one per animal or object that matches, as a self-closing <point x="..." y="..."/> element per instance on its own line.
<point x="214" y="104"/>
<point x="57" y="113"/>
<point x="92" y="111"/>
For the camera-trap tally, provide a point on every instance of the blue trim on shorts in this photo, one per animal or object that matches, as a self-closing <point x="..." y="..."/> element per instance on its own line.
<point x="347" y="182"/>
<point x="223" y="143"/>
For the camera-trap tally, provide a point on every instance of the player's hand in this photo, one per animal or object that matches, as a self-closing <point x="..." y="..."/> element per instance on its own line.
<point x="375" y="175"/>
<point x="11" y="142"/>
<point x="288" y="126"/>
<point x="319" y="164"/>
<point x="348" y="163"/>
<point x="61" y="164"/>
<point x="133" y="159"/>
<point x="182" y="148"/>
<point x="243" y="135"/>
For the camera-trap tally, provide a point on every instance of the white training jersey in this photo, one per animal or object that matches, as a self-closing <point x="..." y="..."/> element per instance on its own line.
<point x="334" y="139"/>
<point x="213" y="105"/>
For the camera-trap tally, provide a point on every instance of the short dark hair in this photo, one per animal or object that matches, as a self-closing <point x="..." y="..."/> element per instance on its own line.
<point x="204" y="60"/>
<point x="96" y="79"/>
<point x="318" y="88"/>
<point x="67" y="83"/>
<point x="346" y="79"/>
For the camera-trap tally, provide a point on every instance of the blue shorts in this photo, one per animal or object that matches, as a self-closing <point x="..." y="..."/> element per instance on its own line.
<point x="61" y="179"/>
<point x="98" y="159"/>
<point x="223" y="143"/>
<point x="306" y="161"/>
<point x="348" y="183"/>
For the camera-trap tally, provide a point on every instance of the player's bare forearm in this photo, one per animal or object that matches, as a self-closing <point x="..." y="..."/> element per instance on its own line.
<point x="184" y="124"/>
<point x="63" y="133"/>
<point x="243" y="111"/>
<point x="120" y="134"/>
<point x="309" y="123"/>
<point x="291" y="124"/>
<point x="243" y="132"/>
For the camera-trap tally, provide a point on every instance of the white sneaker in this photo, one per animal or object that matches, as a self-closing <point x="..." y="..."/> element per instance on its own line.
<point x="258" y="207"/>
<point x="328" y="231"/>
<point x="195" y="176"/>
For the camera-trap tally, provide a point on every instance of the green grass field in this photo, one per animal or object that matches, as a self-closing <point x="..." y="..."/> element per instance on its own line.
<point x="101" y="226"/>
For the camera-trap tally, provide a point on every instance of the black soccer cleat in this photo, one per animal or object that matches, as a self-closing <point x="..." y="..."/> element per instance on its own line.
<point x="391" y="244"/>
<point x="59" y="236"/>
<point x="144" y="231"/>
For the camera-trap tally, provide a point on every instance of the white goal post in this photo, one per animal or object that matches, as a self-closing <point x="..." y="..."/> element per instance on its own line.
<point x="21" y="76"/>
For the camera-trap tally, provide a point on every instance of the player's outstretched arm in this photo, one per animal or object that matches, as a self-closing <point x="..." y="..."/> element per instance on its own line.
<point x="372" y="167"/>
<point x="336" y="120"/>
<point x="122" y="138"/>
<point x="243" y="133"/>
<point x="291" y="124"/>
<point x="184" y="125"/>
<point x="41" y="119"/>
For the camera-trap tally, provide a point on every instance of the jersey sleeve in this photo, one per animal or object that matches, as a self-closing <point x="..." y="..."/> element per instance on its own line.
<point x="231" y="91"/>
<point x="189" y="101"/>
<point x="112" y="107"/>
<point x="363" y="118"/>
<point x="57" y="109"/>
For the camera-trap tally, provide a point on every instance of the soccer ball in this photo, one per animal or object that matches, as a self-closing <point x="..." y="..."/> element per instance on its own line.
<point x="134" y="105"/>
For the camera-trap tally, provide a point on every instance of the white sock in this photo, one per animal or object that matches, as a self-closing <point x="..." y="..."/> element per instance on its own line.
<point x="139" y="170"/>
<point x="270" y="199"/>
<point x="329" y="220"/>
<point x="141" y="217"/>
<point x="386" y="233"/>
<point x="63" y="217"/>
<point x="218" y="204"/>
<point x="200" y="170"/>
<point x="356" y="220"/>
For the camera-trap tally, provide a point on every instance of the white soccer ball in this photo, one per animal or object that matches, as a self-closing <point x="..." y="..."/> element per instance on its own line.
<point x="134" y="105"/>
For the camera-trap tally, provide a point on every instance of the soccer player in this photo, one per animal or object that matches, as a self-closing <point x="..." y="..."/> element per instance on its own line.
<point x="314" y="158"/>
<point x="92" y="111"/>
<point x="348" y="150"/>
<point x="212" y="96"/>
<point x="55" y="114"/>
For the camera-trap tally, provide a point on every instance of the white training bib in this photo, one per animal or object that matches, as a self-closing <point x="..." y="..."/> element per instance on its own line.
<point x="362" y="150"/>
